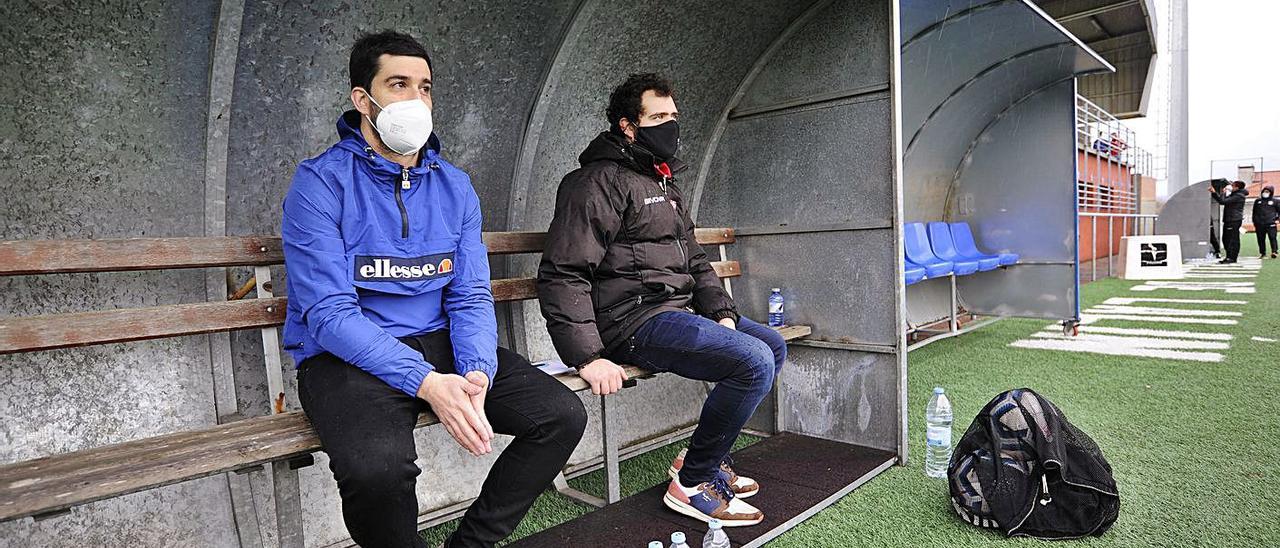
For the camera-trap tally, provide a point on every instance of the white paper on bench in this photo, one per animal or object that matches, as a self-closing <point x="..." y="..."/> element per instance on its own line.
<point x="553" y="367"/>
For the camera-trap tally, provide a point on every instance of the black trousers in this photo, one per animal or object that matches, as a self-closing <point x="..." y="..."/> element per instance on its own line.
<point x="1267" y="232"/>
<point x="366" y="428"/>
<point x="1231" y="240"/>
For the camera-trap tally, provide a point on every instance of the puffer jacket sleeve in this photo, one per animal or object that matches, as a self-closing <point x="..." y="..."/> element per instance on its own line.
<point x="588" y="217"/>
<point x="319" y="283"/>
<point x="709" y="296"/>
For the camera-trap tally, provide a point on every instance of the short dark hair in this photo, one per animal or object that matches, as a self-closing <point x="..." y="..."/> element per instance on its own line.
<point x="624" y="102"/>
<point x="369" y="47"/>
<point x="1238" y="184"/>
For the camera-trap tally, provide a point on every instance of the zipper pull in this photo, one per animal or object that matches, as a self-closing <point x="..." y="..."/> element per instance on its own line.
<point x="1045" y="498"/>
<point x="404" y="178"/>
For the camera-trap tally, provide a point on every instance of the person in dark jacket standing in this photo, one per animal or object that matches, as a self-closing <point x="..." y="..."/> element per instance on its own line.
<point x="623" y="280"/>
<point x="391" y="315"/>
<point x="1266" y="212"/>
<point x="1232" y="217"/>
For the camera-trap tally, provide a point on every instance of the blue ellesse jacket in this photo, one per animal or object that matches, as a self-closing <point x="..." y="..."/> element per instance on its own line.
<point x="374" y="252"/>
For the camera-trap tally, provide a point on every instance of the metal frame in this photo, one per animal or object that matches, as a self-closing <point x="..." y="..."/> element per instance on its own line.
<point x="284" y="475"/>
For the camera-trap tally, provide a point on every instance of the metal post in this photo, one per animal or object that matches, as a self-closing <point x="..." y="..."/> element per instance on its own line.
<point x="955" y="324"/>
<point x="284" y="479"/>
<point x="609" y="428"/>
<point x="1110" y="251"/>
<point x="728" y="283"/>
<point x="1093" y="262"/>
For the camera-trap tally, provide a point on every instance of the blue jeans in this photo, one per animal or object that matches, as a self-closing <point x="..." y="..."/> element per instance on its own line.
<point x="742" y="363"/>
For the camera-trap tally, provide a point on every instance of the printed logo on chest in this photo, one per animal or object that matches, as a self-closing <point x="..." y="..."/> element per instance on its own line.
<point x="370" y="268"/>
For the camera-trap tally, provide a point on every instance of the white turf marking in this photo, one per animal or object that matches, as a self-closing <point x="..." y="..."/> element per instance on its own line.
<point x="1116" y="350"/>
<point x="1147" y="310"/>
<point x="1201" y="284"/>
<point x="1156" y="319"/>
<point x="1262" y="339"/>
<point x="1147" y="332"/>
<point x="1132" y="300"/>
<point x="1138" y="342"/>
<point x="1187" y="287"/>
<point x="1219" y="276"/>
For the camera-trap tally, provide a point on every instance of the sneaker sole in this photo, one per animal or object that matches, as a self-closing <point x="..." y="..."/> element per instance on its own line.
<point x="692" y="512"/>
<point x="675" y="475"/>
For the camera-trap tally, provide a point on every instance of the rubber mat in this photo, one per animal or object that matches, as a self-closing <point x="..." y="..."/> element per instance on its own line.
<point x="795" y="473"/>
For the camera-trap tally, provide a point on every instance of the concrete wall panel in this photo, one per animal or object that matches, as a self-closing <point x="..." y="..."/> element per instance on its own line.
<point x="102" y="134"/>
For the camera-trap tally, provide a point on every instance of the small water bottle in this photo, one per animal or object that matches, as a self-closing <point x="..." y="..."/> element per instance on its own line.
<point x="715" y="537"/>
<point x="937" y="434"/>
<point x="776" y="308"/>
<point x="655" y="544"/>
<point x="677" y="540"/>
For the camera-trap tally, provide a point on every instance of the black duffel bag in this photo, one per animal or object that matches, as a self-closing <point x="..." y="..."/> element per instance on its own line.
<point x="1024" y="469"/>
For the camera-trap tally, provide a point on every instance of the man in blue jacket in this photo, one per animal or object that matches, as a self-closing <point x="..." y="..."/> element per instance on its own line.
<point x="391" y="314"/>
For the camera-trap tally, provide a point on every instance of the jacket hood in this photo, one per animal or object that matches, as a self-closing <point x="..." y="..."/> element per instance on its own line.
<point x="352" y="140"/>
<point x="609" y="146"/>
<point x="1270" y="189"/>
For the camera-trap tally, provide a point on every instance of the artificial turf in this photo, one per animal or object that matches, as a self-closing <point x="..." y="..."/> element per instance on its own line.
<point x="1195" y="446"/>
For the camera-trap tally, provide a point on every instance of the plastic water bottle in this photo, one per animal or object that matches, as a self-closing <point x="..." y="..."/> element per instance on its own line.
<point x="776" y="306"/>
<point x="937" y="434"/>
<point x="677" y="540"/>
<point x="715" y="538"/>
<point x="655" y="544"/>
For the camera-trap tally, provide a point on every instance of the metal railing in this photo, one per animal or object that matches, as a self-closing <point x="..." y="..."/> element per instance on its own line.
<point x="1129" y="224"/>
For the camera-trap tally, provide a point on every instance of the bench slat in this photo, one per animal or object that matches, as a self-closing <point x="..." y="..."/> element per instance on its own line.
<point x="18" y="257"/>
<point x="52" y="331"/>
<point x="111" y="326"/>
<point x="714" y="236"/>
<point x="54" y="483"/>
<point x="27" y="257"/>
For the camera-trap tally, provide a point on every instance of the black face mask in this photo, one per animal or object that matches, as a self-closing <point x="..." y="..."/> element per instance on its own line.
<point x="661" y="140"/>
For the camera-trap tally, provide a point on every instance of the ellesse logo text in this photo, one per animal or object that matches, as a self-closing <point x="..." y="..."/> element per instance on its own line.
<point x="397" y="269"/>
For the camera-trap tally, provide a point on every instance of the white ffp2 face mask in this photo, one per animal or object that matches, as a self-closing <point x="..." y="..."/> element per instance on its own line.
<point x="404" y="126"/>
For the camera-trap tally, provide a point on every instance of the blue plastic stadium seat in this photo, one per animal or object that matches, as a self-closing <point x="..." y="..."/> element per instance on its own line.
<point x="945" y="249"/>
<point x="913" y="272"/>
<point x="916" y="242"/>
<point x="940" y="234"/>
<point x="963" y="238"/>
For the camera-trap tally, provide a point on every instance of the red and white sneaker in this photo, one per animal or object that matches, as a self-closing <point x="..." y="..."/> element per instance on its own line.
<point x="711" y="500"/>
<point x="742" y="486"/>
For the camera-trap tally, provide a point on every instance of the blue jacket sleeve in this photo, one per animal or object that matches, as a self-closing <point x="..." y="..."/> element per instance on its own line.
<point x="468" y="299"/>
<point x="316" y="264"/>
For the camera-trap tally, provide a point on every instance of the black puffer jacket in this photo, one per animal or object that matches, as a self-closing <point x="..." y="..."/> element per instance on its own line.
<point x="1266" y="209"/>
<point x="620" y="250"/>
<point x="1232" y="206"/>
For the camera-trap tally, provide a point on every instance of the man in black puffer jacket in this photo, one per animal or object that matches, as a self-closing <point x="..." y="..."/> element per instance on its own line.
<point x="1266" y="211"/>
<point x="1232" y="217"/>
<point x="623" y="280"/>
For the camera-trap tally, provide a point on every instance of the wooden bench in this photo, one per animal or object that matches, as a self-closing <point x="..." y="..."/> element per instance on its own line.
<point x="283" y="440"/>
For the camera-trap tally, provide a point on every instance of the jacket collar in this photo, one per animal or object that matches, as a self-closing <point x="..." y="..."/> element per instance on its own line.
<point x="609" y="146"/>
<point x="353" y="141"/>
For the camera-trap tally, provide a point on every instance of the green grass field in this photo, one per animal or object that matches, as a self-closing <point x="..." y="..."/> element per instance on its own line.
<point x="1195" y="446"/>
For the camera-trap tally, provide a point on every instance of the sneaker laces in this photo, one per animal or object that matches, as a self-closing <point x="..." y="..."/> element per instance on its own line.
<point x="726" y="466"/>
<point x="719" y="485"/>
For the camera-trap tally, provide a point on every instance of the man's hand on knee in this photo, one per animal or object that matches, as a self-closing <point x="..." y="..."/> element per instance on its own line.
<point x="604" y="376"/>
<point x="477" y="402"/>
<point x="450" y="399"/>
